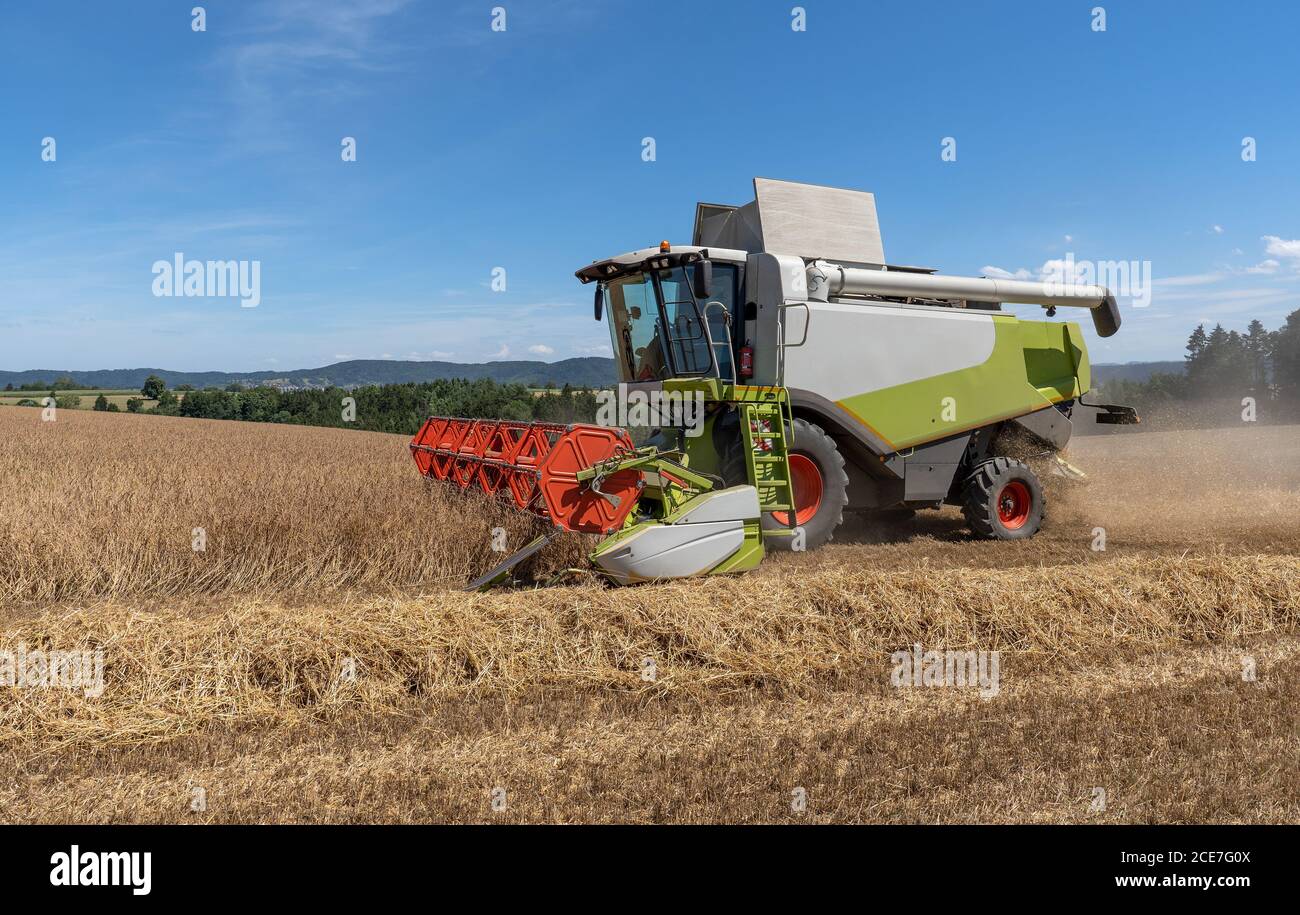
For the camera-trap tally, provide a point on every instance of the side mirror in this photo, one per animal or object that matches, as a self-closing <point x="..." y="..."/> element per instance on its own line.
<point x="600" y="298"/>
<point x="703" y="279"/>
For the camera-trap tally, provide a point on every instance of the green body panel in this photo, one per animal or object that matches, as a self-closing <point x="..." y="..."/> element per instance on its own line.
<point x="1053" y="357"/>
<point x="748" y="556"/>
<point x="1082" y="369"/>
<point x="1034" y="364"/>
<point x="699" y="452"/>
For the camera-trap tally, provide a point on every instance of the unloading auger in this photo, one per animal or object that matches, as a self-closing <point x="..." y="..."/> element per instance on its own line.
<point x="804" y="375"/>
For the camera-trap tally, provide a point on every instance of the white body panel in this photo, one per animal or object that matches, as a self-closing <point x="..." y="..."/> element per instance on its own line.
<point x="771" y="280"/>
<point x="710" y="529"/>
<point x="736" y="503"/>
<point x="854" y="349"/>
<point x="672" y="550"/>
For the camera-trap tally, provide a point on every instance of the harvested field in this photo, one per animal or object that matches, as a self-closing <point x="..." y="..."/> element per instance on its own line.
<point x="314" y="663"/>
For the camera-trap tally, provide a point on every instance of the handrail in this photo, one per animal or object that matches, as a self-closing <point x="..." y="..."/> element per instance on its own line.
<point x="806" y="323"/>
<point x="731" y="349"/>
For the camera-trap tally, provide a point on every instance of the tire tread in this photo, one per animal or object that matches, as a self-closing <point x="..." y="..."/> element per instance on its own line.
<point x="977" y="503"/>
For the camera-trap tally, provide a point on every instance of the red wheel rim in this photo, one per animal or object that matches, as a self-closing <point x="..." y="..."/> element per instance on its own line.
<point x="1014" y="502"/>
<point x="807" y="482"/>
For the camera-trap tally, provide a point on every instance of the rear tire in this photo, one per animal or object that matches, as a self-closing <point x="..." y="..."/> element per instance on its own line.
<point x="1002" y="499"/>
<point x="817" y="513"/>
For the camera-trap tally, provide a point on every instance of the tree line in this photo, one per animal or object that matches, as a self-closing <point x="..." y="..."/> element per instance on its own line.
<point x="62" y="383"/>
<point x="1224" y="365"/>
<point x="399" y="408"/>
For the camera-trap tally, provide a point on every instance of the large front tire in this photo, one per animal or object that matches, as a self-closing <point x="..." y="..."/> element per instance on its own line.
<point x="821" y="490"/>
<point x="1002" y="499"/>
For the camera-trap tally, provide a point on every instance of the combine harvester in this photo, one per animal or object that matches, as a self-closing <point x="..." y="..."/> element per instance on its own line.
<point x="796" y="374"/>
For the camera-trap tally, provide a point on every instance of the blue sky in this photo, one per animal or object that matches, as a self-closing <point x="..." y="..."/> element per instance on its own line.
<point x="522" y="149"/>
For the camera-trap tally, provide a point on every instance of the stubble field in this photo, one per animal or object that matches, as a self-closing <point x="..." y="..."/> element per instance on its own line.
<point x="314" y="662"/>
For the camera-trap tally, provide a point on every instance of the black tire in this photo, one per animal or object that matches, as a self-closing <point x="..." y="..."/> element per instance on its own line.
<point x="813" y="443"/>
<point x="994" y="498"/>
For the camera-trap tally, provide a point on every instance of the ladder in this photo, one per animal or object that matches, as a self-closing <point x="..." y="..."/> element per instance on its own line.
<point x="763" y="431"/>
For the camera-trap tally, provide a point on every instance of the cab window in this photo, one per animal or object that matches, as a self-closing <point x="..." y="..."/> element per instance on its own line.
<point x="634" y="323"/>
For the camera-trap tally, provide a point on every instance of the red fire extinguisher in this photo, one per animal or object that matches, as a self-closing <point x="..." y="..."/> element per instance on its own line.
<point x="747" y="361"/>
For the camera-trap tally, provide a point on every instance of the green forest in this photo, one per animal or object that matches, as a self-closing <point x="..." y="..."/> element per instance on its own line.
<point x="398" y="408"/>
<point x="1226" y="366"/>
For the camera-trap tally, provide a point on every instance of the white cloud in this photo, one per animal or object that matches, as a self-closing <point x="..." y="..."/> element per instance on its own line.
<point x="541" y="349"/>
<point x="1218" y="230"/>
<point x="598" y="349"/>
<point x="1225" y="295"/>
<point x="998" y="273"/>
<point x="1266" y="266"/>
<point x="1282" y="247"/>
<point x="1192" y="279"/>
<point x="1056" y="270"/>
<point x="1211" y="306"/>
<point x="501" y="353"/>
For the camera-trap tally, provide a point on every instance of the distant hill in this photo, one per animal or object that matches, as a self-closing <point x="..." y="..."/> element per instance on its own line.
<point x="1132" y="371"/>
<point x="586" y="371"/>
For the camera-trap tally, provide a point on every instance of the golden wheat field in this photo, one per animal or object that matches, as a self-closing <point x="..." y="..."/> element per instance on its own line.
<point x="315" y="661"/>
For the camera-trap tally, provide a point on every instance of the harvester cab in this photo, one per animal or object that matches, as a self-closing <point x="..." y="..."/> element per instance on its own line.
<point x="790" y="374"/>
